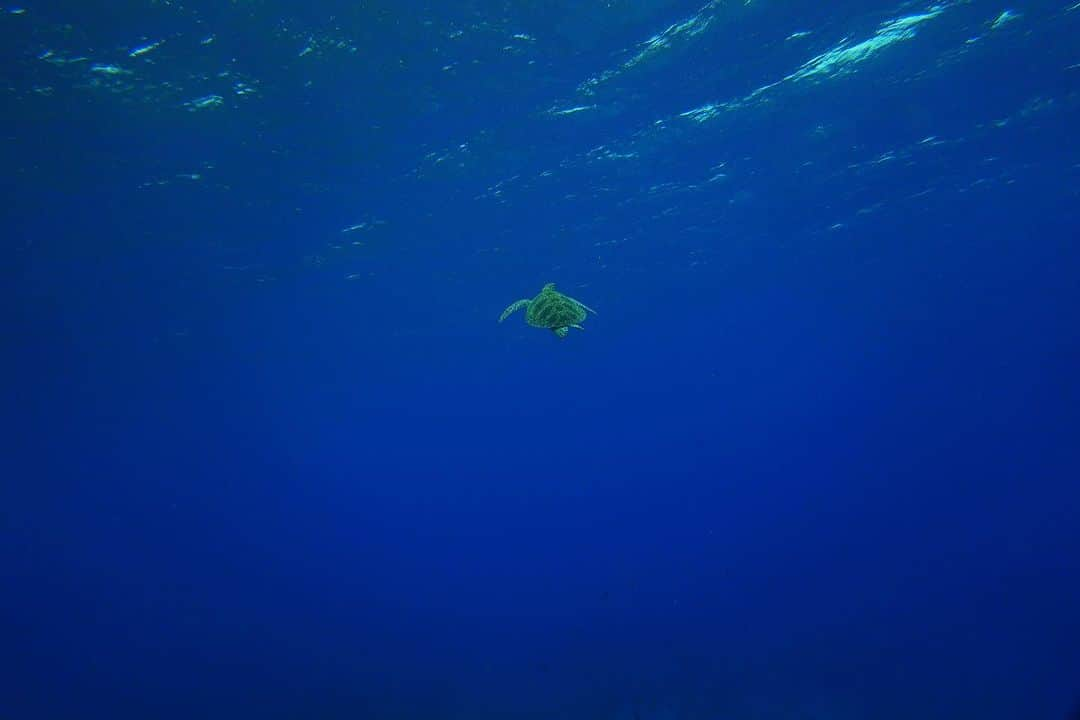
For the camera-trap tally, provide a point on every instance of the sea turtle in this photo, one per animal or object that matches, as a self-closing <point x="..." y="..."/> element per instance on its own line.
<point x="551" y="309"/>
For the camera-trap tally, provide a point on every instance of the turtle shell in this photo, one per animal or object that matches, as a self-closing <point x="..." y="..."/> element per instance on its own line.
<point x="551" y="309"/>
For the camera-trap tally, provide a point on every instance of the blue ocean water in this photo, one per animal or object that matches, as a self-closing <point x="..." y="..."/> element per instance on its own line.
<point x="268" y="452"/>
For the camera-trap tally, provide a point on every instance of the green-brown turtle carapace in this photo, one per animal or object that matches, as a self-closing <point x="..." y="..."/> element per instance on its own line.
<point x="552" y="310"/>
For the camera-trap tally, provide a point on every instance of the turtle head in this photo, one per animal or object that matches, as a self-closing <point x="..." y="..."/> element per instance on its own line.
<point x="560" y="331"/>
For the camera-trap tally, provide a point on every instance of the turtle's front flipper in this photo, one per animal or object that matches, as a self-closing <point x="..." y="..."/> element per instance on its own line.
<point x="577" y="326"/>
<point x="586" y="307"/>
<point x="514" y="307"/>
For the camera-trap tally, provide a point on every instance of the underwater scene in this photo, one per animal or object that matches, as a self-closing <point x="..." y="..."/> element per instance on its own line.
<point x="540" y="359"/>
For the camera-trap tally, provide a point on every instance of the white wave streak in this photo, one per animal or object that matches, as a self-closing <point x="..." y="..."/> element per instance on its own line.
<point x="841" y="60"/>
<point x="688" y="28"/>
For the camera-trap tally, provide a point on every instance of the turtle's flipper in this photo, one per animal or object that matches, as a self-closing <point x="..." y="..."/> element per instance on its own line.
<point x="577" y="326"/>
<point x="514" y="307"/>
<point x="583" y="305"/>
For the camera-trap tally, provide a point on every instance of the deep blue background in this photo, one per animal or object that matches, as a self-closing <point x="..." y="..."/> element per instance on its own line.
<point x="805" y="461"/>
